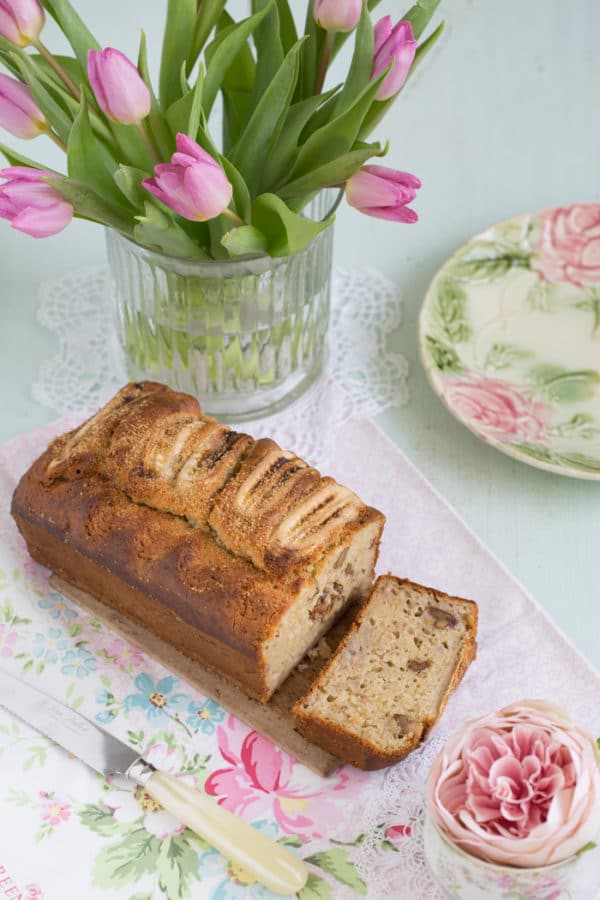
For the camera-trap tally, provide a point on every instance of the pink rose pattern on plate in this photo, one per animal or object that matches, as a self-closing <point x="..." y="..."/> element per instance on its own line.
<point x="499" y="410"/>
<point x="569" y="245"/>
<point x="509" y="394"/>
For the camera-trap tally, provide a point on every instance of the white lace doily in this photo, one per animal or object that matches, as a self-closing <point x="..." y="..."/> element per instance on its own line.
<point x="363" y="378"/>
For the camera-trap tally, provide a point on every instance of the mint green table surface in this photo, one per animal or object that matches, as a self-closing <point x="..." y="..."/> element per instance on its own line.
<point x="502" y="119"/>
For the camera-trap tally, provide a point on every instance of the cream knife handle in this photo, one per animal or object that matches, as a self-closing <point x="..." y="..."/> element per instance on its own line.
<point x="273" y="865"/>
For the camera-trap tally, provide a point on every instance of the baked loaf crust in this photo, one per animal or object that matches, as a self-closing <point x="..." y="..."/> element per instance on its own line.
<point x="233" y="550"/>
<point x="390" y="678"/>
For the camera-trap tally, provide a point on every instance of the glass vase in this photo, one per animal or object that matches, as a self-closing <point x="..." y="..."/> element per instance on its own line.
<point x="245" y="336"/>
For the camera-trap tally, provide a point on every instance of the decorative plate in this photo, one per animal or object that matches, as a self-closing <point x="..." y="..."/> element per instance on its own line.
<point x="510" y="338"/>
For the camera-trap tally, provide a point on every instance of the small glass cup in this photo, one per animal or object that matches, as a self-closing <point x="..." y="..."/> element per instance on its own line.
<point x="467" y="877"/>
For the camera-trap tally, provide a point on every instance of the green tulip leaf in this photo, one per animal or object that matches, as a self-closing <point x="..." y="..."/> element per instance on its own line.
<point x="222" y="52"/>
<point x="237" y="107"/>
<point x="17" y="159"/>
<point x="424" y="47"/>
<point x="287" y="26"/>
<point x="312" y="50"/>
<point x="209" y="14"/>
<point x="420" y="15"/>
<point x="72" y="26"/>
<point x="241" y="195"/>
<point x="337" y="137"/>
<point x="333" y="173"/>
<point x="90" y="205"/>
<point x="129" y="181"/>
<point x="283" y="151"/>
<point x="245" y="241"/>
<point x="88" y="161"/>
<point x="237" y="89"/>
<point x="177" y="48"/>
<point x="157" y="230"/>
<point x="269" y="49"/>
<point x="156" y="121"/>
<point x="286" y="232"/>
<point x="361" y="67"/>
<point x="179" y="113"/>
<point x="265" y="123"/>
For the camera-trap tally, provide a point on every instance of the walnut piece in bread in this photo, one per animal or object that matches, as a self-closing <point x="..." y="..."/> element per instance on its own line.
<point x="390" y="678"/>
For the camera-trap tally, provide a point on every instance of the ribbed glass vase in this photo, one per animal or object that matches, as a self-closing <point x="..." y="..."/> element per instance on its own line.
<point x="245" y="336"/>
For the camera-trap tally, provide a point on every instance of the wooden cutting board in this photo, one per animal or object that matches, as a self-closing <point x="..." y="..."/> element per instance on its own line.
<point x="273" y="719"/>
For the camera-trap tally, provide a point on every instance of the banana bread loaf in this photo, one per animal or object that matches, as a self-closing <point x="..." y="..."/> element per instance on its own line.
<point x="390" y="678"/>
<point x="233" y="550"/>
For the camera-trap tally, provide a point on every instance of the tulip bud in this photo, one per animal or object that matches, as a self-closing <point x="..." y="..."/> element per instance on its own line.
<point x="19" y="113"/>
<point x="337" y="15"/>
<point x="193" y="184"/>
<point x="118" y="86"/>
<point x="393" y="45"/>
<point x="383" y="193"/>
<point x="30" y="204"/>
<point x="21" y="21"/>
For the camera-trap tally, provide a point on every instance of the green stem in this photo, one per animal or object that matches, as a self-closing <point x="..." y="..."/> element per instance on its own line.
<point x="324" y="63"/>
<point x="176" y="718"/>
<point x="233" y="216"/>
<point x="148" y="142"/>
<point x="54" y="137"/>
<point x="56" y="66"/>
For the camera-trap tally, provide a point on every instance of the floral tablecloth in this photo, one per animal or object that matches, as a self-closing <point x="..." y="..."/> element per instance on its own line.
<point x="67" y="834"/>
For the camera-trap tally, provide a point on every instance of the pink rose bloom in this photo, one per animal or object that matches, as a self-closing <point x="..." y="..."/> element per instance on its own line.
<point x="497" y="409"/>
<point x="519" y="787"/>
<point x="260" y="781"/>
<point x="569" y="247"/>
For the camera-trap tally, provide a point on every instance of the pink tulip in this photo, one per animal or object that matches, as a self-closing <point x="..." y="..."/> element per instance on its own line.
<point x="393" y="45"/>
<point x="21" y="21"/>
<point x="384" y="193"/>
<point x="193" y="183"/>
<point x="19" y="113"/>
<point x="30" y="204"/>
<point x="337" y="15"/>
<point x="118" y="86"/>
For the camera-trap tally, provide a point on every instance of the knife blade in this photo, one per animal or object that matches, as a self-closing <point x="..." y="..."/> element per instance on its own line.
<point x="277" y="867"/>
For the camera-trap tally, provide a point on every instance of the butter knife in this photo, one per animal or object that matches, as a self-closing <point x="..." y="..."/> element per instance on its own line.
<point x="277" y="867"/>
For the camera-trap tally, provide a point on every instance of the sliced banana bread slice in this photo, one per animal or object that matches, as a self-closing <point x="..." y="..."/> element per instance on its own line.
<point x="391" y="677"/>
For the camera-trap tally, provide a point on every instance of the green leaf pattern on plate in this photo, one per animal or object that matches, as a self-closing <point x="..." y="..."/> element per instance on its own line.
<point x="510" y="338"/>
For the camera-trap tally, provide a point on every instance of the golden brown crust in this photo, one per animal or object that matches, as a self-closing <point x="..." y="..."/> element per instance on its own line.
<point x="120" y="508"/>
<point x="260" y="501"/>
<point x="219" y="596"/>
<point x="347" y="745"/>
